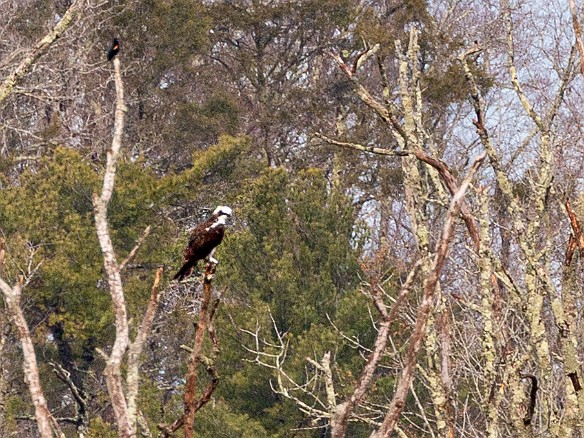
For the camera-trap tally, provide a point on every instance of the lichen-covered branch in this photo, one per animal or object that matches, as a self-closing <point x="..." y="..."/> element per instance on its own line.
<point x="513" y="69"/>
<point x="491" y="395"/>
<point x="534" y="237"/>
<point x="397" y="403"/>
<point x="7" y="87"/>
<point x="362" y="148"/>
<point x="45" y="421"/>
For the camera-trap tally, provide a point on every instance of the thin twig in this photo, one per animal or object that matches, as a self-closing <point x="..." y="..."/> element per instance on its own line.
<point x="139" y="243"/>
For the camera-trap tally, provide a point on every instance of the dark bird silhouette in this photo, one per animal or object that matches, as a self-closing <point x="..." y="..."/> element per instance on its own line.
<point x="114" y="49"/>
<point x="204" y="239"/>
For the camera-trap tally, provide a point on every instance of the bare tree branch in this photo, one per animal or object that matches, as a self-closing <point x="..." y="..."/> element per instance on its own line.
<point x="205" y="324"/>
<point x="82" y="418"/>
<point x="397" y="403"/>
<point x="126" y="427"/>
<point x="387" y="114"/>
<point x="135" y="349"/>
<point x="195" y="358"/>
<point x="139" y="243"/>
<point x="362" y="148"/>
<point x="577" y="32"/>
<point x="444" y="171"/>
<point x="45" y="420"/>
<point x="345" y="409"/>
<point x="7" y="87"/>
<point x="576" y="238"/>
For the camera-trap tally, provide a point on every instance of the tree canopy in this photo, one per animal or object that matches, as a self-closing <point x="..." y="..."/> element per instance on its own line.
<point x="404" y="255"/>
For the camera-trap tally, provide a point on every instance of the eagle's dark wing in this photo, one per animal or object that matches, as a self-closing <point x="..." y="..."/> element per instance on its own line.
<point x="204" y="239"/>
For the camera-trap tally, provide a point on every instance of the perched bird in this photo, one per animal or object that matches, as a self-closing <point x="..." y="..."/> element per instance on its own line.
<point x="204" y="239"/>
<point x="114" y="49"/>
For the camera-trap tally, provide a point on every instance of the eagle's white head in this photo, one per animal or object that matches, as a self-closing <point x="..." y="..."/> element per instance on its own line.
<point x="222" y="212"/>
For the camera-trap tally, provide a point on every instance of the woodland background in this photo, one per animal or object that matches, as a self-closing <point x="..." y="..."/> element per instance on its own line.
<point x="406" y="179"/>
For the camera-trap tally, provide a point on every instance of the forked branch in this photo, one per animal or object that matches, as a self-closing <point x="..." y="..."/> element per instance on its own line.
<point x="398" y="401"/>
<point x="205" y="325"/>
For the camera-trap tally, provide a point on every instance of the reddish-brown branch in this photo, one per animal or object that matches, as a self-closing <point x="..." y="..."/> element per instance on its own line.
<point x="195" y="358"/>
<point x="344" y="410"/>
<point x="205" y="324"/>
<point x="577" y="32"/>
<point x="398" y="401"/>
<point x="450" y="181"/>
<point x="168" y="430"/>
<point x="576" y="238"/>
<point x="210" y="362"/>
<point x="208" y="392"/>
<point x="572" y="245"/>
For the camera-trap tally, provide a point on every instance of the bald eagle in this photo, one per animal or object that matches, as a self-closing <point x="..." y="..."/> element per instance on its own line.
<point x="204" y="239"/>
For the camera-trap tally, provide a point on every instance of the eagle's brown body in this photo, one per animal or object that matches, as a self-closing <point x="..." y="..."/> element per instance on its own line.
<point x="203" y="240"/>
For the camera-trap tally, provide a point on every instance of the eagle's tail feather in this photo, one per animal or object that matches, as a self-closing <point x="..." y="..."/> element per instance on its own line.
<point x="183" y="272"/>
